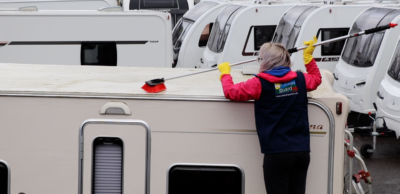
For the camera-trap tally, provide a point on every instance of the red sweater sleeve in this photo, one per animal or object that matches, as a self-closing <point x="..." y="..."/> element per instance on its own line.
<point x="313" y="76"/>
<point x="247" y="90"/>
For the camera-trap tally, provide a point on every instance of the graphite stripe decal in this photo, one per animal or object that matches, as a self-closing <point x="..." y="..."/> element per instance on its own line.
<point x="69" y="42"/>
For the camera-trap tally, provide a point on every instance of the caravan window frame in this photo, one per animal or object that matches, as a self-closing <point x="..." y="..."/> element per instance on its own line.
<point x="200" y="166"/>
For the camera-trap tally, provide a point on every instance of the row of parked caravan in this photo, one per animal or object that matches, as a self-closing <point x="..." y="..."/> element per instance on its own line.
<point x="366" y="68"/>
<point x="215" y="31"/>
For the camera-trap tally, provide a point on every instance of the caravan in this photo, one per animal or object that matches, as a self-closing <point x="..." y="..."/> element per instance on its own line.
<point x="297" y="24"/>
<point x="365" y="59"/>
<point x="64" y="127"/>
<point x="105" y="37"/>
<point x="177" y="8"/>
<point x="191" y="34"/>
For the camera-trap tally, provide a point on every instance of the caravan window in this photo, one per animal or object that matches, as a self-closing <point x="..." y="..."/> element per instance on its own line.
<point x="178" y="35"/>
<point x="205" y="35"/>
<point x="334" y="48"/>
<point x="184" y="179"/>
<point x="3" y="178"/>
<point x="107" y="165"/>
<point x="394" y="69"/>
<point x="220" y="30"/>
<point x="290" y="25"/>
<point x="99" y="53"/>
<point x="262" y="34"/>
<point x="361" y="51"/>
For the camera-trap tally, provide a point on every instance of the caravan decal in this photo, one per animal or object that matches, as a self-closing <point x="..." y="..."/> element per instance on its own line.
<point x="327" y="59"/>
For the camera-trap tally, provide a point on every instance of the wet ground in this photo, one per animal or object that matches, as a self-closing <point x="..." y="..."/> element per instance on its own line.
<point x="384" y="165"/>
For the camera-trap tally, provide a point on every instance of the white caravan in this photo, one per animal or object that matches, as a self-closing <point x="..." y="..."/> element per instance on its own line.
<point x="58" y="4"/>
<point x="388" y="95"/>
<point x="298" y="24"/>
<point x="190" y="35"/>
<point x="239" y="31"/>
<point x="336" y="22"/>
<point x="365" y="59"/>
<point x="111" y="38"/>
<point x="177" y="8"/>
<point x="57" y="122"/>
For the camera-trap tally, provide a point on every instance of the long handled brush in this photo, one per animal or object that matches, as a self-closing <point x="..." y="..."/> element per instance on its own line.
<point x="157" y="85"/>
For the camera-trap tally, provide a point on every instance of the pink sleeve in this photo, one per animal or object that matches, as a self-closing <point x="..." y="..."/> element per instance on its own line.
<point x="313" y="76"/>
<point x="247" y="90"/>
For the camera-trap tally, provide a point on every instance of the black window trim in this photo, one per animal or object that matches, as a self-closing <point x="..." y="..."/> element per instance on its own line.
<point x="208" y="165"/>
<point x="8" y="174"/>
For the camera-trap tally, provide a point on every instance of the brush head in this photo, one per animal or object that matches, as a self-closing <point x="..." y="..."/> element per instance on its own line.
<point x="154" y="89"/>
<point x="155" y="82"/>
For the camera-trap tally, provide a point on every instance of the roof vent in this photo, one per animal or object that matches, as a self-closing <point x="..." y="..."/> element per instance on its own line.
<point x="28" y="8"/>
<point x="111" y="9"/>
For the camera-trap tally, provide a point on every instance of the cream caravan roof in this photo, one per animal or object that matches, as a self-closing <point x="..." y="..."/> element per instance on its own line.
<point x="115" y="82"/>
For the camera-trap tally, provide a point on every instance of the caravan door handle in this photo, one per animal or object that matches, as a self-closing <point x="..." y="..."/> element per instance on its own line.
<point x="361" y="83"/>
<point x="334" y="76"/>
<point x="379" y="95"/>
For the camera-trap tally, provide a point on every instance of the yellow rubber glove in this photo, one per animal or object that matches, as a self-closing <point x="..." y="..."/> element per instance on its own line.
<point x="224" y="68"/>
<point x="307" y="53"/>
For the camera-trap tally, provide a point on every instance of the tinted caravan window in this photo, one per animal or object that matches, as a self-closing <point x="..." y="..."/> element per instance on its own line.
<point x="159" y="4"/>
<point x="204" y="179"/>
<point x="3" y="178"/>
<point x="334" y="48"/>
<point x="178" y="36"/>
<point x="361" y="51"/>
<point x="290" y="25"/>
<point x="220" y="30"/>
<point x="394" y="69"/>
<point x="99" y="53"/>
<point x="107" y="165"/>
<point x="262" y="34"/>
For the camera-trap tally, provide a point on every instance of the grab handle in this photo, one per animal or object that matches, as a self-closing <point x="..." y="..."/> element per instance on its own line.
<point x="379" y="95"/>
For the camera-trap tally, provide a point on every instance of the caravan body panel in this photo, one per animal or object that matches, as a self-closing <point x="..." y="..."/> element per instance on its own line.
<point x="44" y="149"/>
<point x="57" y="37"/>
<point x="58" y="4"/>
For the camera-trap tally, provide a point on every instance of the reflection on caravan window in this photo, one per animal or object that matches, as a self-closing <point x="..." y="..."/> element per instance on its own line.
<point x="204" y="179"/>
<point x="334" y="48"/>
<point x="205" y="35"/>
<point x="394" y="69"/>
<point x="107" y="165"/>
<point x="290" y="25"/>
<point x="99" y="53"/>
<point x="262" y="34"/>
<point x="220" y="30"/>
<point x="361" y="51"/>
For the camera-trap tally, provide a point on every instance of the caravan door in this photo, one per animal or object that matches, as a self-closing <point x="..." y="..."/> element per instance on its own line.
<point x="114" y="156"/>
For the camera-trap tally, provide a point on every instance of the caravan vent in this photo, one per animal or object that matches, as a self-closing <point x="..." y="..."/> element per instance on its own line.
<point x="4" y="178"/>
<point x="107" y="165"/>
<point x="28" y="8"/>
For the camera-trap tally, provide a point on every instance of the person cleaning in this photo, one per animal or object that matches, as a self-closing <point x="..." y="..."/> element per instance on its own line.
<point x="281" y="114"/>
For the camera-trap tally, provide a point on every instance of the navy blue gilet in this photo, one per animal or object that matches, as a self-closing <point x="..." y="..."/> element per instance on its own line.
<point x="281" y="116"/>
